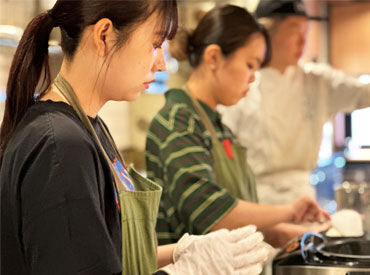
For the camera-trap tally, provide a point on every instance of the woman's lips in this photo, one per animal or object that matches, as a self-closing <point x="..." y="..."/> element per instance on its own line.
<point x="245" y="92"/>
<point x="299" y="53"/>
<point x="147" y="84"/>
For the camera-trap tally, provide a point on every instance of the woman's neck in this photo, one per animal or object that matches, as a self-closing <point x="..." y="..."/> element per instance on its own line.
<point x="201" y="87"/>
<point x="84" y="86"/>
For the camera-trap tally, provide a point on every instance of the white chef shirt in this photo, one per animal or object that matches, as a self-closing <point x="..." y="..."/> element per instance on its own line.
<point x="280" y="122"/>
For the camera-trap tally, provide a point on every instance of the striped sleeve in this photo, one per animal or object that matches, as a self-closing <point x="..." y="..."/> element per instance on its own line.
<point x="187" y="172"/>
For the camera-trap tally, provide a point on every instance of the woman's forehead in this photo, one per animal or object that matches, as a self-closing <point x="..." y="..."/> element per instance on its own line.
<point x="294" y="22"/>
<point x="153" y="25"/>
<point x="146" y="29"/>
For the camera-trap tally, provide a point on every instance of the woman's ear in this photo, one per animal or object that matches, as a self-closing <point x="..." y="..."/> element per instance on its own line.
<point x="104" y="36"/>
<point x="212" y="56"/>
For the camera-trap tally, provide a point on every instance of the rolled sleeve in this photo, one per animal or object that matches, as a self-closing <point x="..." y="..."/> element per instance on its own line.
<point x="200" y="202"/>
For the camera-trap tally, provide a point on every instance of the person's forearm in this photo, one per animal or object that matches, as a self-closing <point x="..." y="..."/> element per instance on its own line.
<point x="263" y="216"/>
<point x="165" y="254"/>
<point x="280" y="234"/>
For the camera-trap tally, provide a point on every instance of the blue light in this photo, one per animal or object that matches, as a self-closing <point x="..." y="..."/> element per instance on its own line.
<point x="2" y="96"/>
<point x="324" y="162"/>
<point x="157" y="88"/>
<point x="159" y="85"/>
<point x="331" y="207"/>
<point x="314" y="179"/>
<point x="321" y="176"/>
<point x="161" y="76"/>
<point x="339" y="162"/>
<point x="8" y="42"/>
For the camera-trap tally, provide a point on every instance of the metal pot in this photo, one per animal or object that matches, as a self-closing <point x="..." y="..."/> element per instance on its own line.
<point x="313" y="254"/>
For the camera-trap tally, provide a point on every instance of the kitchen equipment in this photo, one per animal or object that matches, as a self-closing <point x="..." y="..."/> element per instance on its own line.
<point x="313" y="254"/>
<point x="353" y="195"/>
<point x="356" y="196"/>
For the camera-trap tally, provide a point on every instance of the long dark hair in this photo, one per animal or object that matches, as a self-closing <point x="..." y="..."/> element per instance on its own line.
<point x="228" y="26"/>
<point x="72" y="17"/>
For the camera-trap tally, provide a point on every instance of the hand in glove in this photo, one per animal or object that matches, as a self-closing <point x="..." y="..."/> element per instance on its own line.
<point x="240" y="251"/>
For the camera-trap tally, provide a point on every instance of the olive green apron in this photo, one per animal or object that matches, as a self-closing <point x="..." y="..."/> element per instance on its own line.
<point x="234" y="173"/>
<point x="139" y="208"/>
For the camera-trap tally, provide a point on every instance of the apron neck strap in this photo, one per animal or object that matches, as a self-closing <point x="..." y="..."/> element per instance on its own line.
<point x="203" y="116"/>
<point x="67" y="91"/>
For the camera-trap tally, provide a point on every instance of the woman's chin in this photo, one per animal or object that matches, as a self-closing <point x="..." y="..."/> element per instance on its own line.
<point x="231" y="102"/>
<point x="131" y="97"/>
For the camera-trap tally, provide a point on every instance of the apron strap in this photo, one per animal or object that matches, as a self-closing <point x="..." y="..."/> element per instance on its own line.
<point x="111" y="142"/>
<point x="203" y="116"/>
<point x="67" y="91"/>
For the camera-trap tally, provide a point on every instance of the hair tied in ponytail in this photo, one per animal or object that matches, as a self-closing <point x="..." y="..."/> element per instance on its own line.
<point x="191" y="48"/>
<point x="49" y="14"/>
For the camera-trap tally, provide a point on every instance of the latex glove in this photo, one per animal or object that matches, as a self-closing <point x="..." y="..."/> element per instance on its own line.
<point x="186" y="240"/>
<point x="306" y="209"/>
<point x="240" y="251"/>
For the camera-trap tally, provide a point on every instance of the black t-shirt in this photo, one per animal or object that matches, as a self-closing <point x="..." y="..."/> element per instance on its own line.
<point x="58" y="209"/>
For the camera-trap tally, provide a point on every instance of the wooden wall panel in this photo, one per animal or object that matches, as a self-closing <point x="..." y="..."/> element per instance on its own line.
<point x="349" y="36"/>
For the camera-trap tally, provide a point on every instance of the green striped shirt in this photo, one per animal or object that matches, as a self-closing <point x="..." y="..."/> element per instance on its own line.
<point x="178" y="157"/>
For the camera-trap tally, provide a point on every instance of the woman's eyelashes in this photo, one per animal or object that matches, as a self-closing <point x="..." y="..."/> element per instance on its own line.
<point x="250" y="66"/>
<point x="158" y="45"/>
<point x="253" y="65"/>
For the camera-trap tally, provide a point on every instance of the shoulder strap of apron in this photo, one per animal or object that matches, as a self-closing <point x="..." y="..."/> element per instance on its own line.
<point x="67" y="91"/>
<point x="203" y="116"/>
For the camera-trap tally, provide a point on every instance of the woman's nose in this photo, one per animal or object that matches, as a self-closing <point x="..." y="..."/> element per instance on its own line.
<point x="302" y="39"/>
<point x="159" y="63"/>
<point x="252" y="78"/>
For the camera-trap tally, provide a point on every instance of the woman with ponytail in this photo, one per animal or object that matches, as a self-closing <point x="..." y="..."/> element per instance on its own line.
<point x="69" y="204"/>
<point x="30" y="59"/>
<point x="207" y="184"/>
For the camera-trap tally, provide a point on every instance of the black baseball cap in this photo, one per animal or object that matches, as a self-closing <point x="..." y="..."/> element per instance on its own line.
<point x="271" y="8"/>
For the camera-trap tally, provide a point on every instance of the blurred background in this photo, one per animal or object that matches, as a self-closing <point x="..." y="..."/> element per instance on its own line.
<point x="342" y="176"/>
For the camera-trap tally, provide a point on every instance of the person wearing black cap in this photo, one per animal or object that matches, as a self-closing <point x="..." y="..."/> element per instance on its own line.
<point x="281" y="119"/>
<point x="283" y="8"/>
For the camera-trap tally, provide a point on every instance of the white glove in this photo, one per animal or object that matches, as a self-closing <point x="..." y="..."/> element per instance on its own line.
<point x="240" y="251"/>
